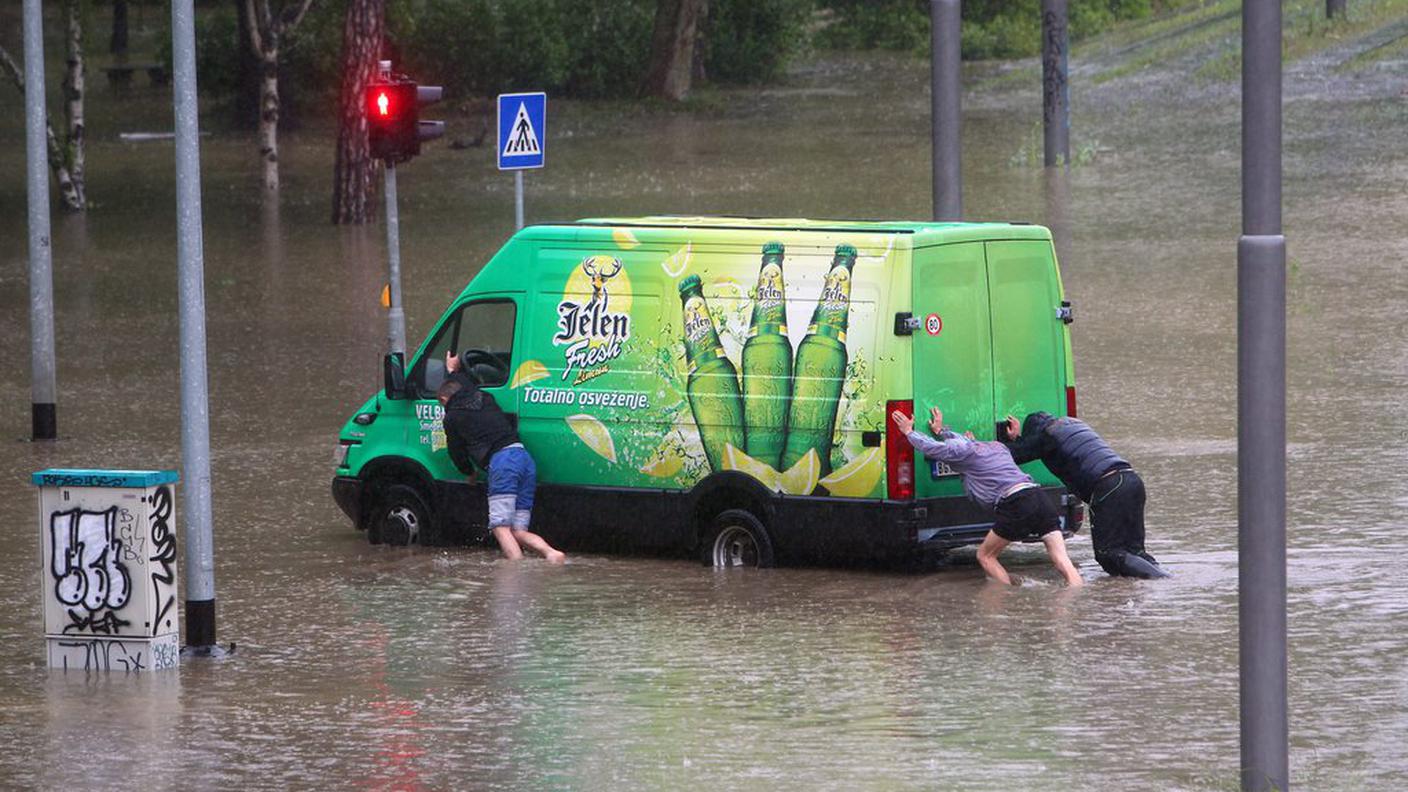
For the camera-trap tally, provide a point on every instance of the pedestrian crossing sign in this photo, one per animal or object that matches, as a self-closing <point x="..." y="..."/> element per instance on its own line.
<point x="522" y="130"/>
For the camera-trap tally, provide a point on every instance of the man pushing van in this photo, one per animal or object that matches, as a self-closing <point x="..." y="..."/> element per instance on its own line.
<point x="1086" y="464"/>
<point x="479" y="434"/>
<point x="992" y="479"/>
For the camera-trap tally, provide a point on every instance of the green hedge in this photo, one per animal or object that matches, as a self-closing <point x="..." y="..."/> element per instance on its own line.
<point x="991" y="28"/>
<point x="580" y="48"/>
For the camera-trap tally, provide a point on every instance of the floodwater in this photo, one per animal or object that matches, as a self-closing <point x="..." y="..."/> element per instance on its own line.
<point x="381" y="668"/>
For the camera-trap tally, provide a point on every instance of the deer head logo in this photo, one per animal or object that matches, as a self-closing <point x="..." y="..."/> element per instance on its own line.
<point x="600" y="269"/>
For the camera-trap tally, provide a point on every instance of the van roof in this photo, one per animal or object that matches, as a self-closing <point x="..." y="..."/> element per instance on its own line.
<point x="922" y="234"/>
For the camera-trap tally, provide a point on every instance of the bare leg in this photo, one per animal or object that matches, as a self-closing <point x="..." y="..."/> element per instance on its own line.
<point x="539" y="545"/>
<point x="507" y="543"/>
<point x="1056" y="548"/>
<point x="987" y="557"/>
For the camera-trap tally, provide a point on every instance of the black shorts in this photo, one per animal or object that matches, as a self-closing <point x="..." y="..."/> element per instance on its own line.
<point x="1026" y="514"/>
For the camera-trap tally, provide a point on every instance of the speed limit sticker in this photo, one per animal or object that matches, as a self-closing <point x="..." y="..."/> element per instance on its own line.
<point x="934" y="324"/>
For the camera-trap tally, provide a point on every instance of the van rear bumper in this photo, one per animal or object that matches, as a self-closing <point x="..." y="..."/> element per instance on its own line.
<point x="837" y="528"/>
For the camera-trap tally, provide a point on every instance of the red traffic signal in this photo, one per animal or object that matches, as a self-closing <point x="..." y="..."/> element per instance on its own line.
<point x="394" y="128"/>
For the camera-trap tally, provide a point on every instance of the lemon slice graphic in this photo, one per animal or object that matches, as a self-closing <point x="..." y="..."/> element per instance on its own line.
<point x="762" y="471"/>
<point x="664" y="464"/>
<point x="802" y="478"/>
<point x="857" y="478"/>
<point x="678" y="262"/>
<point x="592" y="432"/>
<point x="530" y="371"/>
<point x="624" y="238"/>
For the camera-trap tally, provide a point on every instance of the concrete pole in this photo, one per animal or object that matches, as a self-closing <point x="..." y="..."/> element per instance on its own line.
<point x="395" y="316"/>
<point x="195" y="402"/>
<point x="518" y="199"/>
<point x="1261" y="407"/>
<point x="1055" y="88"/>
<point x="946" y="112"/>
<point x="43" y="387"/>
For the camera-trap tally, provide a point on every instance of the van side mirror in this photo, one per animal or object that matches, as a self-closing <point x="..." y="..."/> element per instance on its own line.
<point x="393" y="374"/>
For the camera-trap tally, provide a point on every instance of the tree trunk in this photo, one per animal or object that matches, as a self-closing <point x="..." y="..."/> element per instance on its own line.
<point x="701" y="45"/>
<point x="266" y="27"/>
<point x="269" y="115"/>
<point x="245" y="106"/>
<point x="76" y="199"/>
<point x="117" y="45"/>
<point x="67" y="193"/>
<point x="354" y="173"/>
<point x="672" y="48"/>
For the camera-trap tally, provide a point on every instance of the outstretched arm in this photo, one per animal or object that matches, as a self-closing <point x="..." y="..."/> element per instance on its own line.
<point x="949" y="448"/>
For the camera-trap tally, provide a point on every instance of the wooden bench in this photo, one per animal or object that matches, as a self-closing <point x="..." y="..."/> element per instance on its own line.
<point x="120" y="75"/>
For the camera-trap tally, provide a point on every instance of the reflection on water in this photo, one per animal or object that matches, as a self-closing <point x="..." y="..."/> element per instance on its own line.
<point x="436" y="669"/>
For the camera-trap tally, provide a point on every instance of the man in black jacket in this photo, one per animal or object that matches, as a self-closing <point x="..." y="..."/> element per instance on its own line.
<point x="1088" y="467"/>
<point x="480" y="437"/>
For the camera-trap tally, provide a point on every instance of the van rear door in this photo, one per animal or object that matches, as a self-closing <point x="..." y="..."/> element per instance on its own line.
<point x="1028" y="349"/>
<point x="952" y="348"/>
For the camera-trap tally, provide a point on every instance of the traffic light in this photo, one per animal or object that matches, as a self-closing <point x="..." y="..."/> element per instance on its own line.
<point x="394" y="128"/>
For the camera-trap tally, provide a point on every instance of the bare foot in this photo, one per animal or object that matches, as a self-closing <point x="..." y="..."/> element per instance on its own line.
<point x="556" y="557"/>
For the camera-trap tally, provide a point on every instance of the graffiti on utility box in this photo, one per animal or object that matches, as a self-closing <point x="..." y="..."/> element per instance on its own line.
<point x="109" y="569"/>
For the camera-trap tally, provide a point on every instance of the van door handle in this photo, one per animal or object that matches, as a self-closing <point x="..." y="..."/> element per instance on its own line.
<point x="905" y="323"/>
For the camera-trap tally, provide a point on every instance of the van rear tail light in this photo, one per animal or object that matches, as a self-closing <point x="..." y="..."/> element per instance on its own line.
<point x="899" y="454"/>
<point x="1071" y="400"/>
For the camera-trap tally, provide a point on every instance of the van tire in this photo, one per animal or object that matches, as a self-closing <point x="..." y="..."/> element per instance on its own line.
<point x="401" y="517"/>
<point x="736" y="538"/>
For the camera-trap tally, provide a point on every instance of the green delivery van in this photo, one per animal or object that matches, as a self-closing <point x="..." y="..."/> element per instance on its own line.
<point x="721" y="386"/>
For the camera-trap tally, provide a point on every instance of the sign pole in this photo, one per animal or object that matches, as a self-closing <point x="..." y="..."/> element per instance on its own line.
<point x="396" y="316"/>
<point x="195" y="398"/>
<point x="1261" y="410"/>
<point x="43" y="387"/>
<point x="518" y="199"/>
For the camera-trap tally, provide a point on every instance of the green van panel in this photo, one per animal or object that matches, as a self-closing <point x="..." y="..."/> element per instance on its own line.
<point x="952" y="348"/>
<point x="1029" y="367"/>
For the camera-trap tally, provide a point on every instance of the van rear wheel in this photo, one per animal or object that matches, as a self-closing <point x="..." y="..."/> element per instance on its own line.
<point x="401" y="517"/>
<point x="736" y="538"/>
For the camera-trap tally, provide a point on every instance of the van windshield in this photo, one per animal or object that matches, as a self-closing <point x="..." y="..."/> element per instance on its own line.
<point x="486" y="328"/>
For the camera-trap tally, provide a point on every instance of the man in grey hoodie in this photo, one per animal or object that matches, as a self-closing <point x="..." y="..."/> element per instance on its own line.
<point x="992" y="479"/>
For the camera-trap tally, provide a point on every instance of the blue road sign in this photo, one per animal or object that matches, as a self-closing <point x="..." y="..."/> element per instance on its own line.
<point x="523" y="119"/>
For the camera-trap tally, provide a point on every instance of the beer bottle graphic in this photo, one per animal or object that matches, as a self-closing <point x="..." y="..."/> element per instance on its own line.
<point x="712" y="386"/>
<point x="767" y="363"/>
<point x="821" y="368"/>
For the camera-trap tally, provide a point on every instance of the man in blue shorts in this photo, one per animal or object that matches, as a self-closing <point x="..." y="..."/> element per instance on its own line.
<point x="480" y="437"/>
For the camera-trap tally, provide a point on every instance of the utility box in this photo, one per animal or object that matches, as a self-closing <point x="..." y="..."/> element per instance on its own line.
<point x="109" y="577"/>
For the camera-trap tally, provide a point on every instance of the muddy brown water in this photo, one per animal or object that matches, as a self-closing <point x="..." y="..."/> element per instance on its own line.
<point x="372" y="667"/>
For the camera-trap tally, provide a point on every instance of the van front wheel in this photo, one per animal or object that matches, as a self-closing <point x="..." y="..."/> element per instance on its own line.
<point x="401" y="517"/>
<point x="736" y="539"/>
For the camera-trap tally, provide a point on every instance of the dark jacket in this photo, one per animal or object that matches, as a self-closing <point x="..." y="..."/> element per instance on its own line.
<point x="1071" y="450"/>
<point x="475" y="427"/>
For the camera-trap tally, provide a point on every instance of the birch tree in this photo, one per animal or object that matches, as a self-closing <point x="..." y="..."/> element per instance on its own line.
<point x="268" y="25"/>
<point x="65" y="156"/>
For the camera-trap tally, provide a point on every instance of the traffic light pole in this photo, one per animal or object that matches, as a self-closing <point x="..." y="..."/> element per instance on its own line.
<point x="396" y="316"/>
<point x="43" y="387"/>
